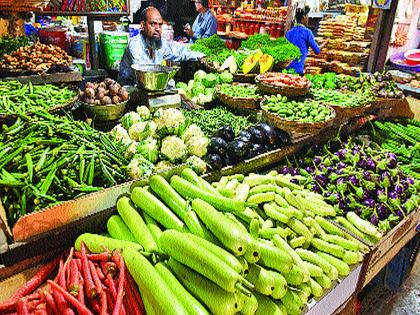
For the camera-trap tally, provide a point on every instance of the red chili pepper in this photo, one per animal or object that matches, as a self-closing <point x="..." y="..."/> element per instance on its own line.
<point x="87" y="277"/>
<point x="117" y="258"/>
<point x="40" y="277"/>
<point x="82" y="309"/>
<point x="22" y="307"/>
<point x="73" y="283"/>
<point x="50" y="302"/>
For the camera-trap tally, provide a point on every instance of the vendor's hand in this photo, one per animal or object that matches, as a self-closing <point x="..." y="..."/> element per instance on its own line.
<point x="189" y="32"/>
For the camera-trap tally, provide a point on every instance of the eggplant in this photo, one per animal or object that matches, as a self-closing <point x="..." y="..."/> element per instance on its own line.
<point x="284" y="137"/>
<point x="270" y="133"/>
<point x="244" y="136"/>
<point x="257" y="135"/>
<point x="218" y="146"/>
<point x="256" y="149"/>
<point x="238" y="150"/>
<point x="215" y="161"/>
<point x="226" y="133"/>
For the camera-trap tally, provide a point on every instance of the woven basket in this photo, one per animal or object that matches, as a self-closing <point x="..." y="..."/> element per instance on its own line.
<point x="294" y="126"/>
<point x="284" y="90"/>
<point x="349" y="112"/>
<point x="238" y="102"/>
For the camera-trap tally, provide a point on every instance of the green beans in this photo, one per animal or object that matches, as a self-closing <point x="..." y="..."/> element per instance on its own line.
<point x="241" y="91"/>
<point x="18" y="98"/>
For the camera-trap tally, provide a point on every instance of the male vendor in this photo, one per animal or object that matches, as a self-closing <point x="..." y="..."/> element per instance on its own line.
<point x="149" y="48"/>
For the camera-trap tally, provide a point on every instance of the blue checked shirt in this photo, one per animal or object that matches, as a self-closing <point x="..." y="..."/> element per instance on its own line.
<point x="137" y="52"/>
<point x="204" y="26"/>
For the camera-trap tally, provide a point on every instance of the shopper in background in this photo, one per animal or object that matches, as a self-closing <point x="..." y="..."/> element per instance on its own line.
<point x="150" y="48"/>
<point x="303" y="38"/>
<point x="30" y="30"/>
<point x="205" y="25"/>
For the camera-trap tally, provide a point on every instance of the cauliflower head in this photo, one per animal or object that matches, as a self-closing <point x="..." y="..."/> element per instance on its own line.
<point x="173" y="149"/>
<point x="131" y="150"/>
<point x="149" y="149"/>
<point x="169" y="121"/>
<point x="192" y="131"/>
<point x="143" y="112"/>
<point x="196" y="164"/>
<point x="139" y="167"/>
<point x="142" y="130"/>
<point x="197" y="145"/>
<point x="120" y="134"/>
<point x="161" y="166"/>
<point x="130" y="119"/>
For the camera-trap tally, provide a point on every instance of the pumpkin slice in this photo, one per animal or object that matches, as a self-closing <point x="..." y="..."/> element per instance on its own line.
<point x="266" y="63"/>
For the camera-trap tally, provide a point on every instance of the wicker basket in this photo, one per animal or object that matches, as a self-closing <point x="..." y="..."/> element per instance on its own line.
<point x="349" y="112"/>
<point x="238" y="102"/>
<point x="285" y="90"/>
<point x="294" y="126"/>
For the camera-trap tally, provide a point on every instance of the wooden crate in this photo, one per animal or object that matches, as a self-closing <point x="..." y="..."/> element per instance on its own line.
<point x="383" y="252"/>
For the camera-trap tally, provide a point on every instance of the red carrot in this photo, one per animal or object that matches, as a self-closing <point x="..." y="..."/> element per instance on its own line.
<point x="81" y="295"/>
<point x="87" y="277"/>
<point x="95" y="306"/>
<point x="63" y="271"/>
<point x="82" y="310"/>
<point x="132" y="285"/>
<point x="60" y="300"/>
<point x="105" y="256"/>
<point x="95" y="277"/>
<point x="60" y="267"/>
<point x="133" y="305"/>
<point x="111" y="285"/>
<point x="111" y="304"/>
<point x="41" y="312"/>
<point x="100" y="273"/>
<point x="51" y="302"/>
<point x="79" y="264"/>
<point x="73" y="283"/>
<point x="22" y="307"/>
<point x="120" y="293"/>
<point x="39" y="278"/>
<point x="108" y="267"/>
<point x="68" y="311"/>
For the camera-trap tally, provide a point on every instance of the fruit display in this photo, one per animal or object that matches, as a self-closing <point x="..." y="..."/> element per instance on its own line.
<point x="18" y="98"/>
<point x="240" y="91"/>
<point x="49" y="159"/>
<point x="201" y="89"/>
<point x="356" y="177"/>
<point x="381" y="85"/>
<point x="84" y="283"/>
<point x="284" y="79"/>
<point x="104" y="93"/>
<point x="38" y="58"/>
<point x="301" y="111"/>
<point x="213" y="119"/>
<point x="158" y="141"/>
<point x="227" y="149"/>
<point x="341" y="99"/>
<point x="273" y="257"/>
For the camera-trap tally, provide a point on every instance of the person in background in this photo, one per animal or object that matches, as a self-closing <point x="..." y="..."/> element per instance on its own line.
<point x="150" y="48"/>
<point x="205" y="25"/>
<point x="30" y="30"/>
<point x="303" y="38"/>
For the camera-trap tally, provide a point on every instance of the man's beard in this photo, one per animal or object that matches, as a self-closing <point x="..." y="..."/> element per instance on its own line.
<point x="152" y="42"/>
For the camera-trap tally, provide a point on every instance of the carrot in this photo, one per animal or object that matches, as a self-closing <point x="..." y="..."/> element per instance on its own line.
<point x="120" y="293"/>
<point x="39" y="278"/>
<point x="87" y="277"/>
<point x="105" y="256"/>
<point x="110" y="301"/>
<point x="73" y="283"/>
<point x="22" y="307"/>
<point x="62" y="272"/>
<point x="132" y="287"/>
<point x="111" y="285"/>
<point x="50" y="302"/>
<point x="108" y="267"/>
<point x="60" y="300"/>
<point x="68" y="311"/>
<point x="100" y="273"/>
<point x="81" y="309"/>
<point x="95" y="277"/>
<point x="60" y="266"/>
<point x="81" y="295"/>
<point x="41" y="312"/>
<point x="131" y="302"/>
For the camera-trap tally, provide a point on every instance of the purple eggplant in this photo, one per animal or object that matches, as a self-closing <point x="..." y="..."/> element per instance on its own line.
<point x="353" y="180"/>
<point x="284" y="170"/>
<point x="367" y="175"/>
<point x="374" y="219"/>
<point x="381" y="196"/>
<point x="341" y="165"/>
<point x="369" y="203"/>
<point x="382" y="211"/>
<point x="370" y="164"/>
<point x="309" y="169"/>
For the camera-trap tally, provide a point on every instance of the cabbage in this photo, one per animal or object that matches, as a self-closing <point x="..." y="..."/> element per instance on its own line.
<point x="149" y="149"/>
<point x="130" y="119"/>
<point x="182" y="85"/>
<point x="198" y="88"/>
<point x="226" y="77"/>
<point x="210" y="80"/>
<point x="199" y="75"/>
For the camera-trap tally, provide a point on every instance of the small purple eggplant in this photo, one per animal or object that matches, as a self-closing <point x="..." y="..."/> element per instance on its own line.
<point x="369" y="203"/>
<point x="374" y="219"/>
<point x="341" y="165"/>
<point x="353" y="180"/>
<point x="367" y="175"/>
<point x="370" y="164"/>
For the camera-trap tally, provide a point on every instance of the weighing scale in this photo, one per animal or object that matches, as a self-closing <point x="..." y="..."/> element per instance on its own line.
<point x="168" y="98"/>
